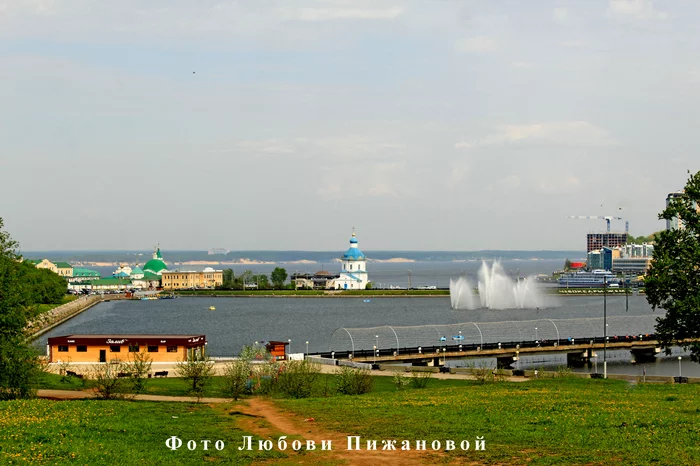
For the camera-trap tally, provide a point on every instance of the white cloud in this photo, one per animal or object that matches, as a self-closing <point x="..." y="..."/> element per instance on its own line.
<point x="476" y="44"/>
<point x="562" y="132"/>
<point x="636" y="9"/>
<point x="458" y="173"/>
<point x="558" y="185"/>
<point x="267" y="146"/>
<point x="509" y="182"/>
<point x="463" y="145"/>
<point x="329" y="14"/>
<point x="561" y="15"/>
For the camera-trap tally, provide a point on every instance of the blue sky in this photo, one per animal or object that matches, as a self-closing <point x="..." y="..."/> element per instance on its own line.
<point x="453" y="125"/>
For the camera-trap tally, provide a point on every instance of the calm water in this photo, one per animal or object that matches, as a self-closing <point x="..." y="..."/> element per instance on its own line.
<point x="241" y="321"/>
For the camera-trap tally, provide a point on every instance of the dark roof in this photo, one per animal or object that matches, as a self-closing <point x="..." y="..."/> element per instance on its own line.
<point x="117" y="339"/>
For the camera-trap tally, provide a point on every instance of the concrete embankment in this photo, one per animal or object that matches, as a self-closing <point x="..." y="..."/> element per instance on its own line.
<point x="50" y="319"/>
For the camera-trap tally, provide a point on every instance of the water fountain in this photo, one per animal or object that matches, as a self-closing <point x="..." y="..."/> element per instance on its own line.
<point x="496" y="291"/>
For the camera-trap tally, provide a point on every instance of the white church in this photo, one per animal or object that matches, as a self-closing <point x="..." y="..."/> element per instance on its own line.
<point x="353" y="273"/>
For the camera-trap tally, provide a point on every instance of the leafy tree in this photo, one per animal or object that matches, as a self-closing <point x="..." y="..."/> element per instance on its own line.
<point x="18" y="363"/>
<point x="278" y="276"/>
<point x="567" y="264"/>
<point x="236" y="375"/>
<point x="673" y="281"/>
<point x="262" y="281"/>
<point x="197" y="370"/>
<point x="228" y="281"/>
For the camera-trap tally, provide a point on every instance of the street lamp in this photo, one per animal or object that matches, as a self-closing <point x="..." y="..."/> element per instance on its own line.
<point x="535" y="333"/>
<point x="290" y="345"/>
<point x="605" y="327"/>
<point x="679" y="367"/>
<point x="307" y="348"/>
<point x="376" y="341"/>
<point x="374" y="353"/>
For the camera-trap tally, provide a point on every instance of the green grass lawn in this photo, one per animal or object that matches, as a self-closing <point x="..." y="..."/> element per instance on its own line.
<point x="118" y="432"/>
<point x="538" y="422"/>
<point x="561" y="421"/>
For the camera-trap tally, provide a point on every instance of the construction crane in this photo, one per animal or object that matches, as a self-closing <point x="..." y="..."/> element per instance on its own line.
<point x="607" y="219"/>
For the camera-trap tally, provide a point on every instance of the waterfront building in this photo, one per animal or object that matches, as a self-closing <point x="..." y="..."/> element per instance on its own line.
<point x="594" y="259"/>
<point x="185" y="279"/>
<point x="321" y="280"/>
<point x="122" y="271"/>
<point x="64" y="269"/>
<point x="596" y="241"/>
<point x="136" y="273"/>
<point x="632" y="265"/>
<point x="80" y="274"/>
<point x="119" y="348"/>
<point x="353" y="272"/>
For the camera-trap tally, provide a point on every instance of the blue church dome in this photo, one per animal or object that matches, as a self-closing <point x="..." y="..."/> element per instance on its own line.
<point x="353" y="253"/>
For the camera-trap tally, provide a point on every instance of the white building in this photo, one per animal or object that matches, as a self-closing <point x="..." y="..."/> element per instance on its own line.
<point x="353" y="272"/>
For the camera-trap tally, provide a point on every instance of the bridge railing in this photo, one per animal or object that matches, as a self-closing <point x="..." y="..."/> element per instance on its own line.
<point x="400" y="339"/>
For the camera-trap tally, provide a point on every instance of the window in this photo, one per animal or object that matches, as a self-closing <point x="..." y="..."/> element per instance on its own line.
<point x="152" y="349"/>
<point x="172" y="349"/>
<point x="62" y="348"/>
<point x="81" y="349"/>
<point x="133" y="348"/>
<point x="115" y="349"/>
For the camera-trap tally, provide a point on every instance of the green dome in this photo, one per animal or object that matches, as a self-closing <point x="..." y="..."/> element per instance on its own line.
<point x="155" y="266"/>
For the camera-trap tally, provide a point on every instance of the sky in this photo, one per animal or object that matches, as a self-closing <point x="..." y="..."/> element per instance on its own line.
<point x="283" y="124"/>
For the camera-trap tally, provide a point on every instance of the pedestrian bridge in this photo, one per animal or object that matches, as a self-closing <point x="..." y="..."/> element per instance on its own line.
<point x="505" y="341"/>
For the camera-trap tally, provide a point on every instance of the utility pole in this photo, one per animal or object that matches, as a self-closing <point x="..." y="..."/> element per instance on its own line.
<point x="409" y="279"/>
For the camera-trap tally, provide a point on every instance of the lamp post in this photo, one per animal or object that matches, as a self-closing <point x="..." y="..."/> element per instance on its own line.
<point x="290" y="345"/>
<point x="679" y="367"/>
<point x="374" y="353"/>
<point x="307" y="348"/>
<point x="605" y="326"/>
<point x="535" y="333"/>
<point x="376" y="342"/>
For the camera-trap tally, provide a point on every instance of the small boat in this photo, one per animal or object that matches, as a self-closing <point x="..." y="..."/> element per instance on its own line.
<point x="168" y="296"/>
<point x="149" y="298"/>
<point x="367" y="300"/>
<point x="212" y="308"/>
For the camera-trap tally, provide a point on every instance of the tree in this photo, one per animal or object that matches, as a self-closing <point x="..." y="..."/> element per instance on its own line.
<point x="567" y="264"/>
<point x="673" y="281"/>
<point x="228" y="280"/>
<point x="196" y="370"/>
<point x="18" y="362"/>
<point x="278" y="277"/>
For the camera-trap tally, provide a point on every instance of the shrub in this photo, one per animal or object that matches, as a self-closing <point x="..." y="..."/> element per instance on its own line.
<point x="298" y="378"/>
<point x="138" y="369"/>
<point x="106" y="383"/>
<point x="236" y="374"/>
<point x="350" y="381"/>
<point x="197" y="370"/>
<point x="400" y="380"/>
<point x="265" y="378"/>
<point x="419" y="379"/>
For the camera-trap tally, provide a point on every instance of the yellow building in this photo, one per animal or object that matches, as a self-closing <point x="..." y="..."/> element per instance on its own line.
<point x="63" y="269"/>
<point x="182" y="280"/>
<point x="113" y="348"/>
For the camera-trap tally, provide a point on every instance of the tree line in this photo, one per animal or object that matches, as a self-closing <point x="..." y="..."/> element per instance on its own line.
<point x="22" y="288"/>
<point x="248" y="279"/>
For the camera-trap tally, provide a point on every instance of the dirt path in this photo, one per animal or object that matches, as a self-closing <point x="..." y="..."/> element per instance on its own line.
<point x="266" y="420"/>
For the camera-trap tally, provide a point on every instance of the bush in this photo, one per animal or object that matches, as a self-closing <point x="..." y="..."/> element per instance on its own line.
<point x="265" y="378"/>
<point x="400" y="380"/>
<point x="298" y="378"/>
<point x="138" y="369"/>
<point x="236" y="375"/>
<point x="350" y="381"/>
<point x="419" y="379"/>
<point x="197" y="370"/>
<point x="106" y="383"/>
